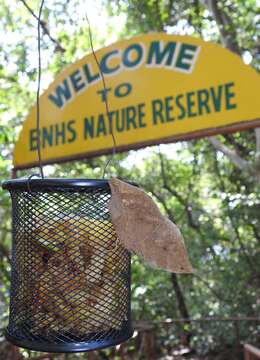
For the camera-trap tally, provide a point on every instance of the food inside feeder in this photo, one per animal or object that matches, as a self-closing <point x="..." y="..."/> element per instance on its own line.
<point x="78" y="280"/>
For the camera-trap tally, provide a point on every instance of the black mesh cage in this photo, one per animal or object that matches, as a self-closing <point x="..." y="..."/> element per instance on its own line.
<point x="70" y="281"/>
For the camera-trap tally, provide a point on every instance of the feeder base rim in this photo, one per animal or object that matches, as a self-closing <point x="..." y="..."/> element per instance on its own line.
<point x="69" y="347"/>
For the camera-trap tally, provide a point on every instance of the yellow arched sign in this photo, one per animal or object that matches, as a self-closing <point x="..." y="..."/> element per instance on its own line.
<point x="160" y="88"/>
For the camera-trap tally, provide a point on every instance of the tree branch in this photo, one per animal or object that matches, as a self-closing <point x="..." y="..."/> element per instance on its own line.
<point x="46" y="31"/>
<point x="5" y="253"/>
<point x="159" y="16"/>
<point x="227" y="31"/>
<point x="182" y="307"/>
<point x="257" y="136"/>
<point x="240" y="148"/>
<point x="255" y="231"/>
<point x="160" y="198"/>
<point x="230" y="154"/>
<point x="235" y="159"/>
<point x="228" y="36"/>
<point x="235" y="228"/>
<point x="187" y="206"/>
<point x="210" y="288"/>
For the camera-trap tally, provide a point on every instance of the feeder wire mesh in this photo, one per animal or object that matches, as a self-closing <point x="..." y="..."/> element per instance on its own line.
<point x="70" y="281"/>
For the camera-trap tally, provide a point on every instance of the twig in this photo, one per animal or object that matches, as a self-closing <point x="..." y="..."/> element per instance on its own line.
<point x="46" y="31"/>
<point x="214" y="292"/>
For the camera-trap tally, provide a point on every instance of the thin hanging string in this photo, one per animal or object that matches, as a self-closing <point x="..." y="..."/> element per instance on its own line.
<point x="38" y="91"/>
<point x="105" y="98"/>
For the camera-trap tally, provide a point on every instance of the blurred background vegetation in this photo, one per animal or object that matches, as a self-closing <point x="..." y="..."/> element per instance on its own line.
<point x="209" y="187"/>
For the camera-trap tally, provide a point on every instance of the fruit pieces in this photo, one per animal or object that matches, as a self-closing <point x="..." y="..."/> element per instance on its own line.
<point x="80" y="288"/>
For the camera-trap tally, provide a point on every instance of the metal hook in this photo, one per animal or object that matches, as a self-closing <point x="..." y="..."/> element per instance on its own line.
<point x="29" y="179"/>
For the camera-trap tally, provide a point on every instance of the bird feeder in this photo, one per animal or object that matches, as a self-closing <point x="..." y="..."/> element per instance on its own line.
<point x="70" y="280"/>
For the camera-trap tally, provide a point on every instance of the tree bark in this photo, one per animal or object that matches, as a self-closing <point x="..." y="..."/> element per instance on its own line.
<point x="183" y="310"/>
<point x="232" y="155"/>
<point x="226" y="29"/>
<point x="228" y="35"/>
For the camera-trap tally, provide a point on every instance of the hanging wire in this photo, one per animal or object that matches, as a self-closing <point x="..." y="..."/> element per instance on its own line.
<point x="38" y="91"/>
<point x="105" y="98"/>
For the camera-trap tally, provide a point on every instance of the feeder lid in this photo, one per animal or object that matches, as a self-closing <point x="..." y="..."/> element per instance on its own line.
<point x="40" y="184"/>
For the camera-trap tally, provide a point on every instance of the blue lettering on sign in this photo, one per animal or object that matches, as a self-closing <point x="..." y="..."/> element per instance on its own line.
<point x="62" y="94"/>
<point x="160" y="54"/>
<point x="175" y="56"/>
<point x="104" y="64"/>
<point x="133" y="55"/>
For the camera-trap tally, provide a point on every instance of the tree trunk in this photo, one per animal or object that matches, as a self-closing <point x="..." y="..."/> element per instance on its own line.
<point x="183" y="310"/>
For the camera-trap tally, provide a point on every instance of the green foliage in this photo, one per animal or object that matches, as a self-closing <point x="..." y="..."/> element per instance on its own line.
<point x="215" y="204"/>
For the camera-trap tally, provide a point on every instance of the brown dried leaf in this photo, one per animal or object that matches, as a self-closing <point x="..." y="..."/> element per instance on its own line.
<point x="141" y="228"/>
